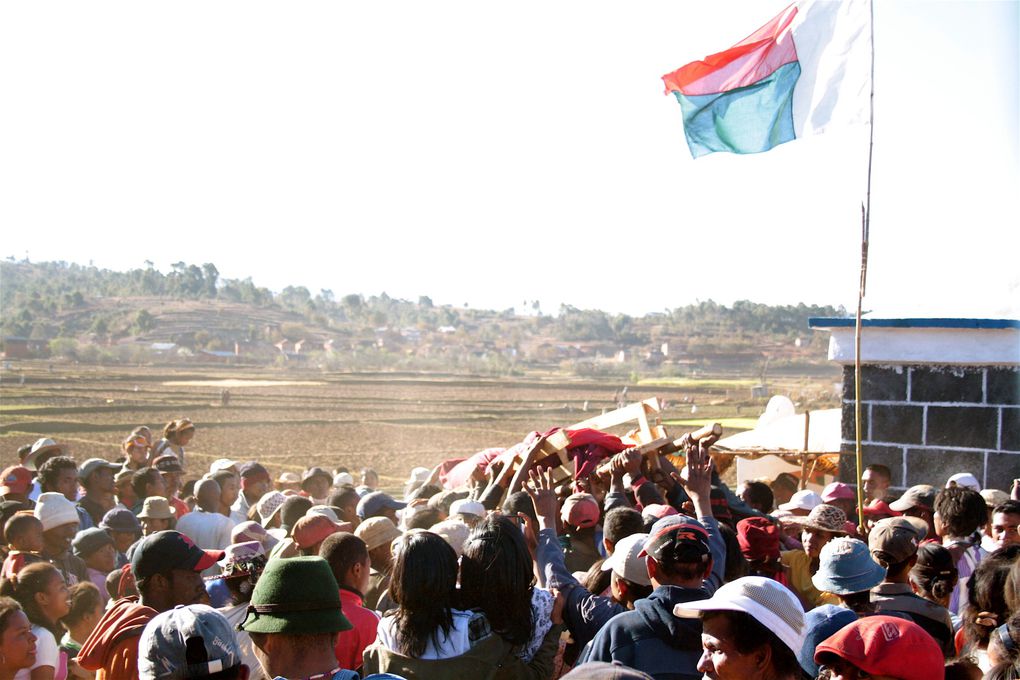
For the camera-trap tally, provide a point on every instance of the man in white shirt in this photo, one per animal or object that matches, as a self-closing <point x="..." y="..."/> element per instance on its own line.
<point x="205" y="526"/>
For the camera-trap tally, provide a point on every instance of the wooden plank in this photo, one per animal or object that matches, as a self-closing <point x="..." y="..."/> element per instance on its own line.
<point x="558" y="440"/>
<point x="650" y="451"/>
<point x="646" y="433"/>
<point x="555" y="447"/>
<point x="638" y="411"/>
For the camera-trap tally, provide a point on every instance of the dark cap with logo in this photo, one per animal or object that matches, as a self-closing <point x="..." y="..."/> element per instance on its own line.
<point x="165" y="550"/>
<point x="678" y="543"/>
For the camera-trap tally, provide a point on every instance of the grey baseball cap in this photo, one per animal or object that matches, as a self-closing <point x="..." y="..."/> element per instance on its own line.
<point x="187" y="642"/>
<point x="921" y="496"/>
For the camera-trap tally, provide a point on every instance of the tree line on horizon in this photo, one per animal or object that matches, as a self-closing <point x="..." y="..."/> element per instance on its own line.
<point x="48" y="300"/>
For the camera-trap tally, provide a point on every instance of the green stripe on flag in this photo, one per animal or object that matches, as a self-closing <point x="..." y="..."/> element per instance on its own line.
<point x="748" y="119"/>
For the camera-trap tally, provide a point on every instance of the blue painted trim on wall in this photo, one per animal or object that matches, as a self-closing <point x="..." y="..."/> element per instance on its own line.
<point x="994" y="324"/>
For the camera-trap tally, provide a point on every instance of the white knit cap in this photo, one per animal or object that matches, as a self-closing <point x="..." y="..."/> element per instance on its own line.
<point x="54" y="510"/>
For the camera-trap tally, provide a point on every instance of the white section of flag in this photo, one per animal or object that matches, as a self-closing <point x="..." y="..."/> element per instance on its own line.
<point x="833" y="39"/>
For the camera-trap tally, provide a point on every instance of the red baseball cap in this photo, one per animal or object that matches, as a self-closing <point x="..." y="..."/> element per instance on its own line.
<point x="580" y="510"/>
<point x="313" y="529"/>
<point x="16" y="479"/>
<point x="758" y="538"/>
<point x="880" y="508"/>
<point x="884" y="645"/>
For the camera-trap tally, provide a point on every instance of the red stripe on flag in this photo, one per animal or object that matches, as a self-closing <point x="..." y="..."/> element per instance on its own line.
<point x="753" y="58"/>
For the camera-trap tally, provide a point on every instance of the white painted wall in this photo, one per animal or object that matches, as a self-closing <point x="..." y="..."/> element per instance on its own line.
<point x="970" y="346"/>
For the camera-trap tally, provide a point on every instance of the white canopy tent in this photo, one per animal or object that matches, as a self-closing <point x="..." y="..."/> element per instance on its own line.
<point x="780" y="428"/>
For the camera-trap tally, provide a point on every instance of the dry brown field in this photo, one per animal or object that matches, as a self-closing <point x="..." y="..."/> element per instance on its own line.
<point x="291" y="419"/>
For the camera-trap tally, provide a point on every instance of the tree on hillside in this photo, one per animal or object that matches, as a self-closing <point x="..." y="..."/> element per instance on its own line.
<point x="295" y="297"/>
<point x="144" y="321"/>
<point x="211" y="276"/>
<point x="352" y="305"/>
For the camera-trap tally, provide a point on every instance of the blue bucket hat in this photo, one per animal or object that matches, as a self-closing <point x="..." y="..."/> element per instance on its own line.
<point x="846" y="566"/>
<point x="821" y="623"/>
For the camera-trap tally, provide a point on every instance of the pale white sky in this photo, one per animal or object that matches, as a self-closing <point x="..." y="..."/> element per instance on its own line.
<point x="490" y="153"/>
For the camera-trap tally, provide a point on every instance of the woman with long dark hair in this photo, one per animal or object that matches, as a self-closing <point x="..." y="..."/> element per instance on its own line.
<point x="429" y="637"/>
<point x="426" y="624"/>
<point x="986" y="603"/>
<point x="17" y="641"/>
<point x="42" y="593"/>
<point x="497" y="579"/>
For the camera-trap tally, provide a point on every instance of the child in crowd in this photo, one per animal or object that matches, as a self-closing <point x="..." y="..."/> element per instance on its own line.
<point x="95" y="547"/>
<point x="24" y="534"/>
<point x="86" y="608"/>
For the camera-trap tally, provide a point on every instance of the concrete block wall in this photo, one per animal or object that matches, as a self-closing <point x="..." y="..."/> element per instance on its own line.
<point x="927" y="422"/>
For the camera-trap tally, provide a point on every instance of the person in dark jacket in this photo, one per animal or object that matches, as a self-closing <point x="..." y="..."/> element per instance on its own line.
<point x="685" y="559"/>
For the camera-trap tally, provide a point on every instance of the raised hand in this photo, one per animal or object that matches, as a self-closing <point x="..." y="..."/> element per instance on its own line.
<point x="540" y="487"/>
<point x="632" y="463"/>
<point x="698" y="481"/>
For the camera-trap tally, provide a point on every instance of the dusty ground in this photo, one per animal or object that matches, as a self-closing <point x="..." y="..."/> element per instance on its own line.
<point x="290" y="420"/>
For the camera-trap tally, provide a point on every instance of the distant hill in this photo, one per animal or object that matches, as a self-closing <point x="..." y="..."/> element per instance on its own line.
<point x="56" y="309"/>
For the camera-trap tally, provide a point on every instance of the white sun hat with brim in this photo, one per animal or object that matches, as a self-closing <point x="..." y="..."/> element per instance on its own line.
<point x="769" y="602"/>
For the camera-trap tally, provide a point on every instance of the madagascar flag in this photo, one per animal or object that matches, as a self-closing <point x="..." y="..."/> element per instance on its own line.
<point x="803" y="71"/>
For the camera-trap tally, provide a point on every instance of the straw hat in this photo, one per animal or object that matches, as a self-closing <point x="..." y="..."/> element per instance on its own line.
<point x="824" y="517"/>
<point x="157" y="507"/>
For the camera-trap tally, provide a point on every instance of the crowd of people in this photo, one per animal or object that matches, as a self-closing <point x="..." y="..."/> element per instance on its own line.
<point x="153" y="566"/>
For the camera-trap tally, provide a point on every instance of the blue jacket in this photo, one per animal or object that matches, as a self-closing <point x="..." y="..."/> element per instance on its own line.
<point x="653" y="639"/>
<point x="584" y="613"/>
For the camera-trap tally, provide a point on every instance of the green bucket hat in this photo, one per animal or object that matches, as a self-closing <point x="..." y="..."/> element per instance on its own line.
<point x="297" y="595"/>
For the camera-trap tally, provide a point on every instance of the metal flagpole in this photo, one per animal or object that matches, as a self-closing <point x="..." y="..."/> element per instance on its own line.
<point x="865" y="225"/>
